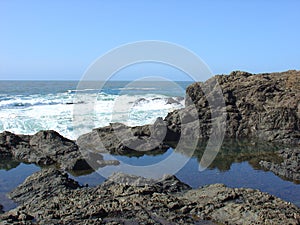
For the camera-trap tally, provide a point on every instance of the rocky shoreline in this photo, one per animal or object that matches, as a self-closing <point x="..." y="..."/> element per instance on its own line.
<point x="262" y="106"/>
<point x="47" y="148"/>
<point x="50" y="197"/>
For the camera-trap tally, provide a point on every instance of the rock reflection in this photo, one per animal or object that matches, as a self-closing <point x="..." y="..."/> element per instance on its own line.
<point x="236" y="151"/>
<point x="8" y="164"/>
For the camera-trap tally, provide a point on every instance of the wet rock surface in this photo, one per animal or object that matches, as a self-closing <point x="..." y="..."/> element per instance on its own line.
<point x="289" y="167"/>
<point x="124" y="199"/>
<point x="44" y="148"/>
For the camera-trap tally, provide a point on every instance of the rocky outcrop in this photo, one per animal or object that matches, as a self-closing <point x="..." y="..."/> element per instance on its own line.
<point x="1" y="209"/>
<point x="290" y="166"/>
<point x="120" y="139"/>
<point x="50" y="197"/>
<point x="45" y="148"/>
<point x="258" y="106"/>
<point x="47" y="183"/>
<point x="255" y="106"/>
<point x="265" y="106"/>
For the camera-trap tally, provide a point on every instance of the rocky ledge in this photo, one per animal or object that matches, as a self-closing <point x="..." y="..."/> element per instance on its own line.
<point x="290" y="166"/>
<point x="46" y="148"/>
<point x="50" y="197"/>
<point x="120" y="139"/>
<point x="264" y="106"/>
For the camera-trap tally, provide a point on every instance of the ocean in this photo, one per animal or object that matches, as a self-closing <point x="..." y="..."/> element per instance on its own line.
<point x="29" y="106"/>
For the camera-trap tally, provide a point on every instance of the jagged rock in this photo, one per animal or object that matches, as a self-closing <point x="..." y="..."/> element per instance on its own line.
<point x="290" y="166"/>
<point x="46" y="184"/>
<point x="121" y="139"/>
<point x="9" y="142"/>
<point x="172" y="101"/>
<point x="122" y="200"/>
<point x="265" y="106"/>
<point x="47" y="148"/>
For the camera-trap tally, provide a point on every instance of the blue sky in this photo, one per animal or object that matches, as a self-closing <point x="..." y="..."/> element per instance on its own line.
<point x="60" y="39"/>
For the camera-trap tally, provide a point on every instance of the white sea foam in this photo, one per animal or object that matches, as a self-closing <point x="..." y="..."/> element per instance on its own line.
<point x="83" y="90"/>
<point x="29" y="114"/>
<point x="136" y="88"/>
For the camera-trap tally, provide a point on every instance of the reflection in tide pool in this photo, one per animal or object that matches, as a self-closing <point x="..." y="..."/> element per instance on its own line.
<point x="12" y="174"/>
<point x="236" y="165"/>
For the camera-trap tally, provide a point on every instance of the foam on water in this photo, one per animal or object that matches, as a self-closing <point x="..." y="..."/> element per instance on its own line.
<point x="27" y="114"/>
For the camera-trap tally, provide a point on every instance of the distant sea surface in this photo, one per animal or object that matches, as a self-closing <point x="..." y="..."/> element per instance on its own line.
<point x="29" y="106"/>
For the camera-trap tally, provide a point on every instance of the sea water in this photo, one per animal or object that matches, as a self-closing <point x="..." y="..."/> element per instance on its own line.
<point x="29" y="106"/>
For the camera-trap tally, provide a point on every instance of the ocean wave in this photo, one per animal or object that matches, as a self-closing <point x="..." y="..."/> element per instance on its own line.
<point x="29" y="114"/>
<point x="137" y="88"/>
<point x="82" y="90"/>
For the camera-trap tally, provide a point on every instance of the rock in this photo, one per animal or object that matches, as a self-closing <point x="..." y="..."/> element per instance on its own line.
<point x="50" y="197"/>
<point x="289" y="168"/>
<point x="1" y="209"/>
<point x="52" y="143"/>
<point x="258" y="106"/>
<point x="47" y="148"/>
<point x="120" y="139"/>
<point x="9" y="142"/>
<point x="45" y="184"/>
<point x="172" y="101"/>
<point x="265" y="106"/>
<point x="241" y="206"/>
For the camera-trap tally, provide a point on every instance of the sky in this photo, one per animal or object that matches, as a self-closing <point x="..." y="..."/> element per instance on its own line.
<point x="51" y="40"/>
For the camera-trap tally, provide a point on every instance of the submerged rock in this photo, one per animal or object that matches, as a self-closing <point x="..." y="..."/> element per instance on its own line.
<point x="290" y="166"/>
<point x="122" y="200"/>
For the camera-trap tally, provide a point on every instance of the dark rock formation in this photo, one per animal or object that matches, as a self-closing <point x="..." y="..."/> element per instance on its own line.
<point x="259" y="106"/>
<point x="1" y="209"/>
<point x="256" y="106"/>
<point x="265" y="106"/>
<point x="120" y="139"/>
<point x="45" y="148"/>
<point x="290" y="166"/>
<point x="49" y="197"/>
<point x="47" y="183"/>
